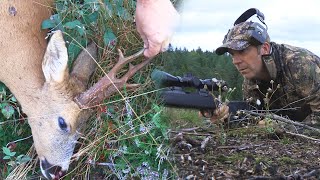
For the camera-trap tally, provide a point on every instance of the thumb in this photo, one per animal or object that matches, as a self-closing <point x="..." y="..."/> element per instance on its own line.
<point x="152" y="50"/>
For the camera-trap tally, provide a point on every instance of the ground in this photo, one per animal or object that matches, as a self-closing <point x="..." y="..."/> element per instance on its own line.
<point x="249" y="152"/>
<point x="202" y="150"/>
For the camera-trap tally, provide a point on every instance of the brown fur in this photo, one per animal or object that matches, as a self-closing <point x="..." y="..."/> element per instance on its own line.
<point x="22" y="45"/>
<point x="43" y="98"/>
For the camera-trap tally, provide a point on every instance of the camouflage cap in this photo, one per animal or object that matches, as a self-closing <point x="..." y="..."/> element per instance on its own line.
<point x="238" y="38"/>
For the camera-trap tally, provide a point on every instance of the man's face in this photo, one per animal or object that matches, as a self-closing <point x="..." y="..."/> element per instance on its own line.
<point x="248" y="62"/>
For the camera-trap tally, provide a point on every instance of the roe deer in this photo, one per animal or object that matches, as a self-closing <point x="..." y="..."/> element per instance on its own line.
<point x="53" y="99"/>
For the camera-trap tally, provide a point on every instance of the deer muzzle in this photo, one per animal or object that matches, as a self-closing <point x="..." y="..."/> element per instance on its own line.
<point x="51" y="171"/>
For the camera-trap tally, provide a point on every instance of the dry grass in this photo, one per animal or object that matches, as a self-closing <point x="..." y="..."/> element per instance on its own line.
<point x="100" y="151"/>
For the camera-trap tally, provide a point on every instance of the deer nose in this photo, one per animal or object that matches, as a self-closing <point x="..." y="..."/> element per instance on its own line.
<point x="50" y="171"/>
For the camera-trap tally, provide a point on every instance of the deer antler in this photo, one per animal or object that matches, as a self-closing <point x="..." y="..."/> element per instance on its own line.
<point x="110" y="84"/>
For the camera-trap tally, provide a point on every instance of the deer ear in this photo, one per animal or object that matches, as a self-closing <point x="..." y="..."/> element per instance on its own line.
<point x="85" y="65"/>
<point x="54" y="65"/>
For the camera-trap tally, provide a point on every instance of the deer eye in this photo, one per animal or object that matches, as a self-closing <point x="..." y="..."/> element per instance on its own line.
<point x="62" y="124"/>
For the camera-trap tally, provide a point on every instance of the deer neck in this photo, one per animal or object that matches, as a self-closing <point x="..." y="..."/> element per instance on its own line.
<point x="22" y="46"/>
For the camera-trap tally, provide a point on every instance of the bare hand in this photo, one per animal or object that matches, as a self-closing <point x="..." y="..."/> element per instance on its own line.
<point x="219" y="115"/>
<point x="156" y="21"/>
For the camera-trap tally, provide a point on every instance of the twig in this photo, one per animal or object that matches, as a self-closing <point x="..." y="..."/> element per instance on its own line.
<point x="303" y="136"/>
<point x="18" y="140"/>
<point x="188" y="133"/>
<point x="205" y="142"/>
<point x="282" y="119"/>
<point x="240" y="148"/>
<point x="91" y="162"/>
<point x="188" y="129"/>
<point x="312" y="173"/>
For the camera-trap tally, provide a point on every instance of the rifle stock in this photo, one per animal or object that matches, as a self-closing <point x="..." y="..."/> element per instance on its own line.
<point x="202" y="100"/>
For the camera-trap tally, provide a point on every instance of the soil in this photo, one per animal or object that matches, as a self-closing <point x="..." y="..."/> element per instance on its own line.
<point x="249" y="152"/>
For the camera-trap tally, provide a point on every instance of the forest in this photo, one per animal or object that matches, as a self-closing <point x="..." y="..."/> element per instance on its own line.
<point x="204" y="65"/>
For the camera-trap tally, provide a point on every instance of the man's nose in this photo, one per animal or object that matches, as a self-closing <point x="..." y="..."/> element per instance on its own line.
<point x="236" y="59"/>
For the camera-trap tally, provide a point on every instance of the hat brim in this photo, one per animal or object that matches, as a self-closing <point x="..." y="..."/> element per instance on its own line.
<point x="237" y="45"/>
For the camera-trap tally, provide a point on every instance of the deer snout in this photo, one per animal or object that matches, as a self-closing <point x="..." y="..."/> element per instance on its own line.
<point x="50" y="171"/>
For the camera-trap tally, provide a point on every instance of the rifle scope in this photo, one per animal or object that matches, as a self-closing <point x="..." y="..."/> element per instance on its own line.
<point x="165" y="79"/>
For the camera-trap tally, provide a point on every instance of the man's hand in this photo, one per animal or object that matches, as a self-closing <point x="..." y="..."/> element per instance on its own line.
<point x="156" y="21"/>
<point x="219" y="115"/>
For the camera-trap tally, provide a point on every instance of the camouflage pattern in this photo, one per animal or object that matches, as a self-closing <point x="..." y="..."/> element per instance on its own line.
<point x="295" y="86"/>
<point x="237" y="38"/>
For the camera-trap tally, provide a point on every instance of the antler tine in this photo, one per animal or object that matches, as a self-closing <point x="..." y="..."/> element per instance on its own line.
<point x="122" y="61"/>
<point x="133" y="69"/>
<point x="109" y="84"/>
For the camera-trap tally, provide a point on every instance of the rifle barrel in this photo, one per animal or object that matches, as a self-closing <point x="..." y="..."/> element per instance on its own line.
<point x="165" y="79"/>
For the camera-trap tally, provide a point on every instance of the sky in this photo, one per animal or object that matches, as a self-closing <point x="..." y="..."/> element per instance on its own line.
<point x="205" y="22"/>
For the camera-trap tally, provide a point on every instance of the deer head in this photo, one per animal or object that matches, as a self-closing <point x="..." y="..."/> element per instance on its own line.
<point x="60" y="105"/>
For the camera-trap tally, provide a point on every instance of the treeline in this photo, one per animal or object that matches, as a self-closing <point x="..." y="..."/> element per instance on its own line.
<point x="203" y="64"/>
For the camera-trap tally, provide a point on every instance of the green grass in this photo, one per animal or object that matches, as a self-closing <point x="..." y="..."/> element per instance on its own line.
<point x="183" y="118"/>
<point x="120" y="141"/>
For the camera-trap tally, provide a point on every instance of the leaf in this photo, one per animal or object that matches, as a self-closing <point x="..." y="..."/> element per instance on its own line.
<point x="91" y="18"/>
<point x="13" y="99"/>
<point x="23" y="159"/>
<point x="6" y="157"/>
<point x="11" y="163"/>
<point x="73" y="24"/>
<point x="7" y="110"/>
<point x="2" y="87"/>
<point x="91" y="1"/>
<point x="77" y="25"/>
<point x="7" y="151"/>
<point x="53" y="22"/>
<point x="109" y="38"/>
<point x="109" y="8"/>
<point x="123" y="13"/>
<point x="156" y="120"/>
<point x="47" y="24"/>
<point x="81" y="30"/>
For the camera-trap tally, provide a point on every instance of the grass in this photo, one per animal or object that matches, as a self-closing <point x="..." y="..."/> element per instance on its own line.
<point x="182" y="118"/>
<point x="285" y="160"/>
<point x="124" y="139"/>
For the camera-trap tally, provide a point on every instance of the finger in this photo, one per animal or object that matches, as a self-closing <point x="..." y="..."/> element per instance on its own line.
<point x="145" y="39"/>
<point x="152" y="50"/>
<point x="226" y="116"/>
<point x="226" y="110"/>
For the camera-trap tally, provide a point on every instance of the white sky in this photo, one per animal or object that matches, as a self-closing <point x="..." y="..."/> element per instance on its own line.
<point x="205" y="22"/>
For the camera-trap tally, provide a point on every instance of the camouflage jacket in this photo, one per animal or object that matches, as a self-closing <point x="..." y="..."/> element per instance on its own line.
<point x="294" y="90"/>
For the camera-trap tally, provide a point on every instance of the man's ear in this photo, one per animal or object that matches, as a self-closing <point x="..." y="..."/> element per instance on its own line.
<point x="265" y="48"/>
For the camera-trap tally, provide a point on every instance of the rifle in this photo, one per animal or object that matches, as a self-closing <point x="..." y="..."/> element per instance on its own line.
<point x="175" y="94"/>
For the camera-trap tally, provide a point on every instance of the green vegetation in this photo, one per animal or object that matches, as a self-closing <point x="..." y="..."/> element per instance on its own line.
<point x="204" y="65"/>
<point x="126" y="138"/>
<point x="13" y="127"/>
<point x="285" y="160"/>
<point x="181" y="118"/>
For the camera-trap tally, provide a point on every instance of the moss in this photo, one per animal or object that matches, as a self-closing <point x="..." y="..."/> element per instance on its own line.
<point x="285" y="160"/>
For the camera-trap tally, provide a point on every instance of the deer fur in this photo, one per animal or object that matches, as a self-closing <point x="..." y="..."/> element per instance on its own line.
<point x="38" y="77"/>
<point x="54" y="100"/>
